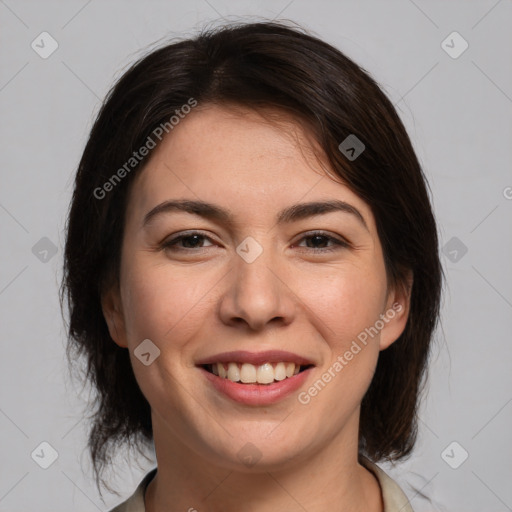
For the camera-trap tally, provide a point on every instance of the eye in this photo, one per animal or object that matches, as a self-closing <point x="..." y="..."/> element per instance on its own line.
<point x="319" y="240"/>
<point x="187" y="241"/>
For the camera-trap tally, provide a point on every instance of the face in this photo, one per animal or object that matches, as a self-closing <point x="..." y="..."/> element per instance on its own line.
<point x="249" y="267"/>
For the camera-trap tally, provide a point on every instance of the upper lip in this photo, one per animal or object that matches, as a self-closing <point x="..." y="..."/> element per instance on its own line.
<point x="256" y="358"/>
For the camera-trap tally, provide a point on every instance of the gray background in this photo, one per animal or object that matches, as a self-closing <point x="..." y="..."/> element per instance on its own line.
<point x="458" y="113"/>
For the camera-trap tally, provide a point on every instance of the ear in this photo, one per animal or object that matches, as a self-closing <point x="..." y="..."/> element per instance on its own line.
<point x="113" y="312"/>
<point x="396" y="312"/>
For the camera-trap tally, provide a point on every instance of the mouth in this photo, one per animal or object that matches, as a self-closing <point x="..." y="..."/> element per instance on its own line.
<point x="246" y="373"/>
<point x="256" y="378"/>
<point x="252" y="385"/>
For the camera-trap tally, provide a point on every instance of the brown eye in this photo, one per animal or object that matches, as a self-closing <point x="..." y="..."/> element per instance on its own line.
<point x="320" y="241"/>
<point x="185" y="242"/>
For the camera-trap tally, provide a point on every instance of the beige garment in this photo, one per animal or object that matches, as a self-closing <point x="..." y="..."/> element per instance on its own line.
<point x="392" y="496"/>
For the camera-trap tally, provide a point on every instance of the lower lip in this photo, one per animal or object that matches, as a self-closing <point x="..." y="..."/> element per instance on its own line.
<point x="257" y="394"/>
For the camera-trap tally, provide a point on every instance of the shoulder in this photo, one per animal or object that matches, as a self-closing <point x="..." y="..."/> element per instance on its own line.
<point x="135" y="503"/>
<point x="393" y="497"/>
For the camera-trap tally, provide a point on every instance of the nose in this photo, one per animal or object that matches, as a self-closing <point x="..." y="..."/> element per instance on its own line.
<point x="258" y="294"/>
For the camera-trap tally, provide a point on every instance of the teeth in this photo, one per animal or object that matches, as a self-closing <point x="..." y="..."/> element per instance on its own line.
<point x="280" y="371"/>
<point x="247" y="373"/>
<point x="265" y="374"/>
<point x="233" y="372"/>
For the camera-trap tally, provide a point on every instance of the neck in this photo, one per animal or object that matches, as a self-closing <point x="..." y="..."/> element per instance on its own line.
<point x="329" y="478"/>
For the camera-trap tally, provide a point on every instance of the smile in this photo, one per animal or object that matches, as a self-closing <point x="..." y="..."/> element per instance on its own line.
<point x="247" y="373"/>
<point x="255" y="393"/>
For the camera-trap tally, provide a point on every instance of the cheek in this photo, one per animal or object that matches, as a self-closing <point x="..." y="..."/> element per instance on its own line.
<point x="344" y="303"/>
<point x="168" y="311"/>
<point x="344" y="306"/>
<point x="159" y="305"/>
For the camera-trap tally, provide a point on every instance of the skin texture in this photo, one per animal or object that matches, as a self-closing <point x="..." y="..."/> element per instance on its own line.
<point x="205" y="299"/>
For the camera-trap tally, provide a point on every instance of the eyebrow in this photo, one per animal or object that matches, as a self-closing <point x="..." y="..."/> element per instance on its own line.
<point x="290" y="214"/>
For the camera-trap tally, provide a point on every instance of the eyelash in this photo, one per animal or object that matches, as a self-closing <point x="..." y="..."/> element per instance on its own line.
<point x="338" y="244"/>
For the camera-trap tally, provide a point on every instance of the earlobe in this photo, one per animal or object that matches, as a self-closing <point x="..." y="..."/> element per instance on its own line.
<point x="112" y="312"/>
<point x="396" y="312"/>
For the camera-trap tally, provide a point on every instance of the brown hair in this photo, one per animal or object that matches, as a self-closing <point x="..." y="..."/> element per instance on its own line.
<point x="255" y="65"/>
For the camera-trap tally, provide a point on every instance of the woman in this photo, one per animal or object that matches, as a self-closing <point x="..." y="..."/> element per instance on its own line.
<point x="252" y="275"/>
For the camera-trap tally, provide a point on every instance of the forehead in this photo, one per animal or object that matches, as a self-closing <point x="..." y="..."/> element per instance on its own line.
<point x="240" y="157"/>
<point x="229" y="138"/>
